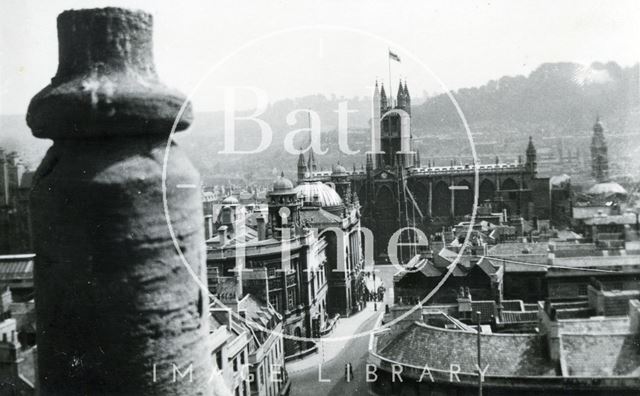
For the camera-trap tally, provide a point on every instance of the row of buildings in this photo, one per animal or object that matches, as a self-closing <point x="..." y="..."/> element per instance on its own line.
<point x="551" y="317"/>
<point x="586" y="348"/>
<point x="548" y="311"/>
<point x="301" y="255"/>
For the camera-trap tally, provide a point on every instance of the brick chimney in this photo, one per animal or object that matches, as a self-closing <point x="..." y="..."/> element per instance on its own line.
<point x="113" y="297"/>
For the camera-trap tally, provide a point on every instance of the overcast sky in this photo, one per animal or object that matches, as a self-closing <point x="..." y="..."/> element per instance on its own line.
<point x="295" y="48"/>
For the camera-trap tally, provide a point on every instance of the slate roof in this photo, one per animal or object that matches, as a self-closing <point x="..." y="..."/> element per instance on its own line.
<point x="584" y="212"/>
<point x="507" y="355"/>
<point x="519" y="316"/>
<point x="318" y="216"/>
<point x="16" y="267"/>
<point x="626" y="218"/>
<point x="259" y="314"/>
<point x="430" y="269"/>
<point x="517" y="249"/>
<point x="524" y="263"/>
<point x="259" y="311"/>
<point x="601" y="355"/>
<point x="576" y="250"/>
<point x="598" y="261"/>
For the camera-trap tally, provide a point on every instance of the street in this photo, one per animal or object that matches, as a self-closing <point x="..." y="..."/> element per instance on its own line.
<point x="329" y="378"/>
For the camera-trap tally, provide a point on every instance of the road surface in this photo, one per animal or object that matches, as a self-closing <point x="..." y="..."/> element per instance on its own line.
<point x="307" y="382"/>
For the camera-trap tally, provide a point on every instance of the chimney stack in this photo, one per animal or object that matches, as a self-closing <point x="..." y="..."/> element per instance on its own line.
<point x="114" y="296"/>
<point x="262" y="228"/>
<point x="208" y="226"/>
<point x="222" y="235"/>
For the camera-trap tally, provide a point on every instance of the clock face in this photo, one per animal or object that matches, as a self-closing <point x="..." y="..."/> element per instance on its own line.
<point x="284" y="212"/>
<point x="384" y="175"/>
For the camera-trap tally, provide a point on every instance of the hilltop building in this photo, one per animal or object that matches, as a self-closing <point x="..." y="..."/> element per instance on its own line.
<point x="599" y="156"/>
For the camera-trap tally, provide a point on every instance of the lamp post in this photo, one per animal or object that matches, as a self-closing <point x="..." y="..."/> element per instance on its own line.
<point x="479" y="355"/>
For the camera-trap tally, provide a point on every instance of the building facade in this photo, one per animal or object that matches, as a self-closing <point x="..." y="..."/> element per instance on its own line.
<point x="280" y="262"/>
<point x="334" y="213"/>
<point x="396" y="189"/>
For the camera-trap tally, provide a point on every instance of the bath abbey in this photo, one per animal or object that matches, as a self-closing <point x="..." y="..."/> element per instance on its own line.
<point x="396" y="189"/>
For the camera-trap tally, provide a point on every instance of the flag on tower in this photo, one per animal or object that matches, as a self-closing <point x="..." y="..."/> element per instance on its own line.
<point x="394" y="56"/>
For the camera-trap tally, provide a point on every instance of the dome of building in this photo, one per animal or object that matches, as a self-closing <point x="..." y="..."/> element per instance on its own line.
<point x="230" y="200"/>
<point x="319" y="193"/>
<point x="339" y="170"/>
<point x="282" y="184"/>
<point x="607" y="188"/>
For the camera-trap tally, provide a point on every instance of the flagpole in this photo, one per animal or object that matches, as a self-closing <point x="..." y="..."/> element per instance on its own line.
<point x="390" y="84"/>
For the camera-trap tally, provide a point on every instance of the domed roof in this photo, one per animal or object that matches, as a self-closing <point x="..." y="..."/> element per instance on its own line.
<point x="559" y="180"/>
<point x="230" y="200"/>
<point x="282" y="184"/>
<point x="325" y="195"/>
<point x="339" y="170"/>
<point x="607" y="188"/>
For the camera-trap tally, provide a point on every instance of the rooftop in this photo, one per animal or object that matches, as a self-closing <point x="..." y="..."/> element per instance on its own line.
<point x="597" y="355"/>
<point x="607" y="188"/>
<point x="506" y="354"/>
<point x="319" y="193"/>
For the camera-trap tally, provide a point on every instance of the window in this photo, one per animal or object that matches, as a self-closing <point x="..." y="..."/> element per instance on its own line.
<point x="219" y="360"/>
<point x="582" y="289"/>
<point x="291" y="300"/>
<point x="235" y="364"/>
<point x="242" y="358"/>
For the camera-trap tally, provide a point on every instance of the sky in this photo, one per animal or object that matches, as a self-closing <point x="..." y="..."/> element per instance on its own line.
<point x="289" y="49"/>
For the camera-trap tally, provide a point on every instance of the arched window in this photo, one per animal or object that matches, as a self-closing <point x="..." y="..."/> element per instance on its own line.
<point x="441" y="199"/>
<point x="486" y="191"/>
<point x="463" y="199"/>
